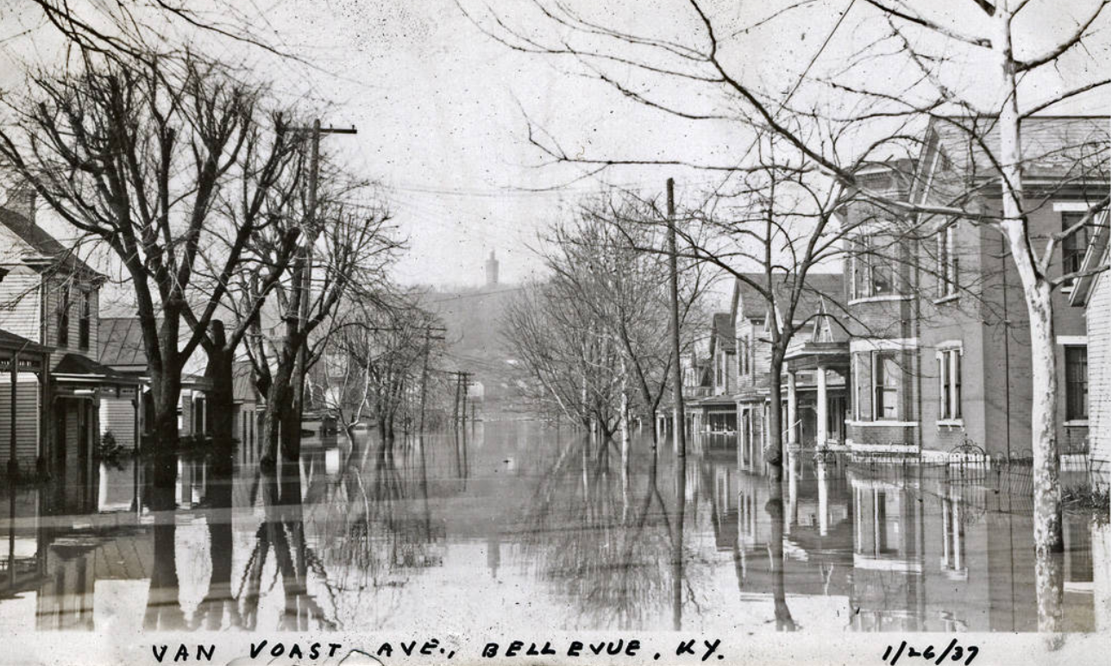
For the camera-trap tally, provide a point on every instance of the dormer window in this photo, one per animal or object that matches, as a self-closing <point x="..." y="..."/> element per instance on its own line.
<point x="63" y="318"/>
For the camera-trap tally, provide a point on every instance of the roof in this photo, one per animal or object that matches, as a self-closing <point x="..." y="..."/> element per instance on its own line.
<point x="121" y="342"/>
<point x="1094" y="257"/>
<point x="42" y="242"/>
<point x="12" y="341"/>
<point x="1052" y="146"/>
<point x="721" y="328"/>
<point x="751" y="303"/>
<point x="76" y="364"/>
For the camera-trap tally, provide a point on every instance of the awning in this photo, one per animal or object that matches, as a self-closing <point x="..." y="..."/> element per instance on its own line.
<point x="75" y="368"/>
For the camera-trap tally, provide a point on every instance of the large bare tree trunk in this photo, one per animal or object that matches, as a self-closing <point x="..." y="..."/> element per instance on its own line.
<point x="221" y="399"/>
<point x="276" y="419"/>
<point x="773" y="453"/>
<point x="1048" y="540"/>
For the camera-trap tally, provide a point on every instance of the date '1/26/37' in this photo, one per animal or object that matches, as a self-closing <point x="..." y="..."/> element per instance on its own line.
<point x="953" y="651"/>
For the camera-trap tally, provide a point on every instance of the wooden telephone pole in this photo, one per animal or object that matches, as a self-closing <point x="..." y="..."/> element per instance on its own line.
<point x="428" y="338"/>
<point x="303" y="279"/>
<point x="680" y="429"/>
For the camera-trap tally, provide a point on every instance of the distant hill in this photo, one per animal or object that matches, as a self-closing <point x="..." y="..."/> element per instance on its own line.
<point x="473" y="319"/>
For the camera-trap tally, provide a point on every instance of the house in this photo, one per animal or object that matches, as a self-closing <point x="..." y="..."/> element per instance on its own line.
<point x="939" y="337"/>
<point x="717" y="412"/>
<point x="49" y="299"/>
<point x="122" y="349"/>
<point x="1094" y="292"/>
<point x="813" y="409"/>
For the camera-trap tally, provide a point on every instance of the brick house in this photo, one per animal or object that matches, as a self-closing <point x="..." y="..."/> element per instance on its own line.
<point x="939" y="329"/>
<point x="50" y="297"/>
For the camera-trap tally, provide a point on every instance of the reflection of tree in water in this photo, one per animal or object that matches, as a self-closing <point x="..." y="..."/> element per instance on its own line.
<point x="611" y="541"/>
<point x="163" y="609"/>
<point x="377" y="528"/>
<point x="282" y="534"/>
<point x="774" y="507"/>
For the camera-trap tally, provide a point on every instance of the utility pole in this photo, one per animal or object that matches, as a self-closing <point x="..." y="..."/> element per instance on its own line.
<point x="680" y="430"/>
<point x="455" y="407"/>
<point x="303" y="280"/>
<point x="464" y="380"/>
<point x="424" y="369"/>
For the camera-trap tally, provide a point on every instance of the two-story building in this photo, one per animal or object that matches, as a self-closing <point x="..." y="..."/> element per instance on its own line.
<point x="717" y="411"/>
<point x="940" y="345"/>
<point x="813" y="402"/>
<point x="1094" y="292"/>
<point x="49" y="298"/>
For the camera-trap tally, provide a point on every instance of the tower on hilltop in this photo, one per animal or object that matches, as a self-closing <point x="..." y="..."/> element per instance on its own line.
<point x="491" y="271"/>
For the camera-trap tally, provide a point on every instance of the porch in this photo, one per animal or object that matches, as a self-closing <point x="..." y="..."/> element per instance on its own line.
<point x="24" y="382"/>
<point x="817" y="396"/>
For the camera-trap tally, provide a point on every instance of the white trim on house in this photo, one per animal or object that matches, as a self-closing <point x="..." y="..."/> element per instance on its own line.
<point x="891" y="424"/>
<point x="881" y="344"/>
<point x="880" y="299"/>
<point x="1072" y="340"/>
<point x="1071" y="206"/>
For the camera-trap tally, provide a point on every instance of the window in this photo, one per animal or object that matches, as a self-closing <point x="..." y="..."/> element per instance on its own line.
<point x="949" y="383"/>
<point x="63" y="318"/>
<point x="885" y="387"/>
<point x="85" y="322"/>
<point x="1073" y="246"/>
<point x="743" y="365"/>
<point x="1076" y="383"/>
<point x="872" y="273"/>
<point x="946" y="262"/>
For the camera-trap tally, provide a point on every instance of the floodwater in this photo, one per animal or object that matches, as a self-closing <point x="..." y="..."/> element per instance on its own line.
<point x="518" y="526"/>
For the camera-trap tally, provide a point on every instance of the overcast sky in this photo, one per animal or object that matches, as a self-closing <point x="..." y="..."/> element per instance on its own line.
<point x="440" y="107"/>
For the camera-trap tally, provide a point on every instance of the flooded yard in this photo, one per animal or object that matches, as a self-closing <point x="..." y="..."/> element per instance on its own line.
<point x="518" y="526"/>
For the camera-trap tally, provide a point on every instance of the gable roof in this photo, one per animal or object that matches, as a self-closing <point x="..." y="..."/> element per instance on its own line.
<point x="749" y="303"/>
<point x="76" y="364"/>
<point x="723" y="332"/>
<point x="43" y="243"/>
<point x="1053" y="147"/>
<point x="15" y="342"/>
<point x="121" y="342"/>
<point x="1099" y="248"/>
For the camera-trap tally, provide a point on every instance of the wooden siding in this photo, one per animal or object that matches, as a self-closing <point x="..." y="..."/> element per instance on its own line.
<point x="1099" y="373"/>
<point x="118" y="415"/>
<point x="54" y="293"/>
<point x="19" y="303"/>
<point x="26" y="420"/>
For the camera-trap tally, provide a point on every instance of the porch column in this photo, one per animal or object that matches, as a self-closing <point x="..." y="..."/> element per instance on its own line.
<point x="823" y="409"/>
<point x="791" y="515"/>
<point x="823" y="497"/>
<point x="13" y="464"/>
<point x="792" y="409"/>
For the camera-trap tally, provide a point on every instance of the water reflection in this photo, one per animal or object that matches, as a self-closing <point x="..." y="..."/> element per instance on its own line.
<point x="511" y="526"/>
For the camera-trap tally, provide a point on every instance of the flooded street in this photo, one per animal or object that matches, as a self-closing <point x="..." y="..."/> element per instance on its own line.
<point x="518" y="526"/>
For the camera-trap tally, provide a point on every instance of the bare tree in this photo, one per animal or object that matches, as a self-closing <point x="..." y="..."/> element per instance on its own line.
<point x="677" y="75"/>
<point x="353" y="244"/>
<point x="136" y="155"/>
<point x="381" y="355"/>
<point x="607" y="291"/>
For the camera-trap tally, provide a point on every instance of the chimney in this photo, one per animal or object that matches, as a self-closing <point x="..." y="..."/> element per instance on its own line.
<point x="22" y="199"/>
<point x="492" y="270"/>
